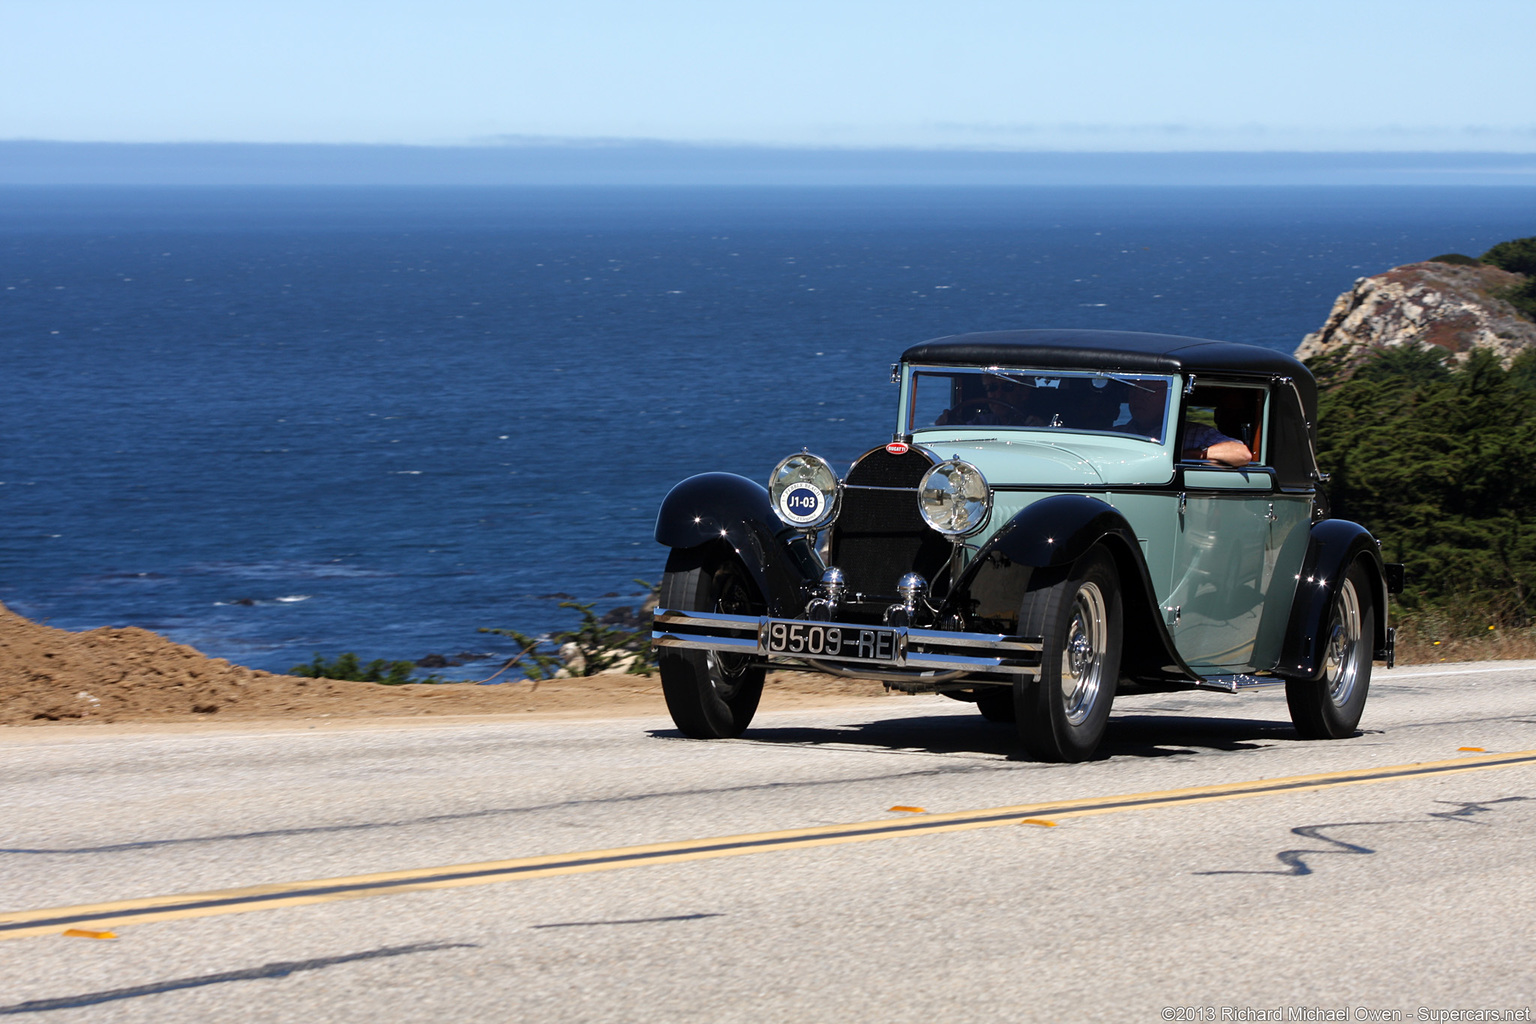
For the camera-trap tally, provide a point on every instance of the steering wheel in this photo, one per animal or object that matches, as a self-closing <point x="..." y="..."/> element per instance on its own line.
<point x="968" y="411"/>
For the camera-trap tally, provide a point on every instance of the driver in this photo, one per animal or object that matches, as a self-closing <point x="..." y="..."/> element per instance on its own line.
<point x="1197" y="441"/>
<point x="1004" y="402"/>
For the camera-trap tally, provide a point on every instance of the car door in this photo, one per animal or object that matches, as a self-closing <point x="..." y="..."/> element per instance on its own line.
<point x="1288" y="454"/>
<point x="1227" y="547"/>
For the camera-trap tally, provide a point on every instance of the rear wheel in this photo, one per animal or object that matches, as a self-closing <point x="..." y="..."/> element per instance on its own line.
<point x="1329" y="708"/>
<point x="1062" y="713"/>
<point x="710" y="694"/>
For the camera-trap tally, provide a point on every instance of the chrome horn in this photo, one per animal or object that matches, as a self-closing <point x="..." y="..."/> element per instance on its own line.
<point x="823" y="607"/>
<point x="910" y="588"/>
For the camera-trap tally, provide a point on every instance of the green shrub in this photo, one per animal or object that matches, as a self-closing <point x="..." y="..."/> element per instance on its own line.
<point x="600" y="644"/>
<point x="1455" y="259"/>
<point x="1522" y="297"/>
<point x="536" y="656"/>
<point x="1518" y="255"/>
<point x="347" y="666"/>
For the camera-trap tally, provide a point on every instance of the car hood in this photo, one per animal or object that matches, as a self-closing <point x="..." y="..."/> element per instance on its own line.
<point x="1063" y="460"/>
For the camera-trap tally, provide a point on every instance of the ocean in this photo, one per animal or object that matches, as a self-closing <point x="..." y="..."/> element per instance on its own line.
<point x="274" y="422"/>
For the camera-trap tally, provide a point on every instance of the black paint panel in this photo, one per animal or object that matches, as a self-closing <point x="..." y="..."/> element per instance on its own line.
<point x="726" y="509"/>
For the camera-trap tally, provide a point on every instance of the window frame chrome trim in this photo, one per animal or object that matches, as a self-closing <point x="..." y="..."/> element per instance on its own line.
<point x="909" y="372"/>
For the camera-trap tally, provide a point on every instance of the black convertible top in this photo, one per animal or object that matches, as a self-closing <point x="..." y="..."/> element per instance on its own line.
<point x="1125" y="351"/>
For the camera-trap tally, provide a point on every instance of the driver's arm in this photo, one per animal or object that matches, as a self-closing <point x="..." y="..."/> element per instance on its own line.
<point x="1204" y="442"/>
<point x="1229" y="453"/>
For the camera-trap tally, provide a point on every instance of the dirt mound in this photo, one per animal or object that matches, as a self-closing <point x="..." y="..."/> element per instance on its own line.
<point x="133" y="675"/>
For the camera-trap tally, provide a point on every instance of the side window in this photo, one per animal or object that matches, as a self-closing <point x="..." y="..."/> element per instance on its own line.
<point x="1290" y="446"/>
<point x="1224" y="412"/>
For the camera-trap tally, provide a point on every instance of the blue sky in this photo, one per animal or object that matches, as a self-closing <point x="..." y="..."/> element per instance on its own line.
<point x="1074" y="75"/>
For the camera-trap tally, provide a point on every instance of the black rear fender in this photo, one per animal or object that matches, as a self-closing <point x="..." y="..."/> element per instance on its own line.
<point x="733" y="512"/>
<point x="1045" y="539"/>
<point x="1332" y="547"/>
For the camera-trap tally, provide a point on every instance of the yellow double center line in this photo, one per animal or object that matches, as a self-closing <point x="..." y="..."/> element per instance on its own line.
<point x="291" y="894"/>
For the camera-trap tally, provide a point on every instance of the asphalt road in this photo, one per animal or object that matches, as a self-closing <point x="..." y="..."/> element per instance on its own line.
<point x="1374" y="892"/>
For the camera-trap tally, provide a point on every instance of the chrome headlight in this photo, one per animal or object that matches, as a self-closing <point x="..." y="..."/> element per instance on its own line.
<point x="805" y="492"/>
<point x="954" y="498"/>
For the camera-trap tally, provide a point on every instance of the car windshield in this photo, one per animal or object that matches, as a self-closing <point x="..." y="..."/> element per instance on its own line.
<point x="947" y="397"/>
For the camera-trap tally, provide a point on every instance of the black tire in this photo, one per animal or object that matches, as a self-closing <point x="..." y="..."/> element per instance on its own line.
<point x="1329" y="708"/>
<point x="996" y="704"/>
<point x="1062" y="713"/>
<point x="710" y="695"/>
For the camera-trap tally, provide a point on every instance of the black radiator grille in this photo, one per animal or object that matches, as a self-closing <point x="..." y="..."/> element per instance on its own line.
<point x="879" y="535"/>
<point x="880" y="468"/>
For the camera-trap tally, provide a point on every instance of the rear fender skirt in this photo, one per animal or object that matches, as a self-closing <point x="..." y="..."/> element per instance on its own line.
<point x="1048" y="537"/>
<point x="1332" y="547"/>
<point x="723" y="508"/>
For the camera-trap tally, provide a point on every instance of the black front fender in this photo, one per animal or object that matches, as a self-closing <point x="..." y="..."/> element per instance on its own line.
<point x="723" y="508"/>
<point x="1040" y="544"/>
<point x="1333" y="546"/>
<point x="1059" y="530"/>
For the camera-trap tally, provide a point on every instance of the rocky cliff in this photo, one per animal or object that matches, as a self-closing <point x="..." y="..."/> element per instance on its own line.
<point x="1448" y="305"/>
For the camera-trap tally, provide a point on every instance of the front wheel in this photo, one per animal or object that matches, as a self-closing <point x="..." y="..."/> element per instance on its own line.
<point x="710" y="694"/>
<point x="1329" y="708"/>
<point x="1063" y="712"/>
<point x="996" y="705"/>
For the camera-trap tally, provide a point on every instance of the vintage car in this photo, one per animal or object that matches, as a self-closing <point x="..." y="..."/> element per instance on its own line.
<point x="1060" y="516"/>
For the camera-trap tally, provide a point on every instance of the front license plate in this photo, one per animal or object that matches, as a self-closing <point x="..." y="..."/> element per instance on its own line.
<point x="814" y="639"/>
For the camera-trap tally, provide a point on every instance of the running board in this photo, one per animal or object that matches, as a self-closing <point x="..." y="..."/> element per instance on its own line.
<point x="1240" y="683"/>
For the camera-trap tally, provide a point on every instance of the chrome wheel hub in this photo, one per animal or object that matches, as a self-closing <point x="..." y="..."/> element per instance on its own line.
<point x="1341" y="670"/>
<point x="1082" y="656"/>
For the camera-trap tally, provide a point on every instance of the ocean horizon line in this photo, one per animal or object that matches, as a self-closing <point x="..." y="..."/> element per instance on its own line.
<point x="659" y="163"/>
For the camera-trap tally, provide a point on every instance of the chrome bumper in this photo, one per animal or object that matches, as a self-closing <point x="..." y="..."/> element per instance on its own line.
<point x="917" y="650"/>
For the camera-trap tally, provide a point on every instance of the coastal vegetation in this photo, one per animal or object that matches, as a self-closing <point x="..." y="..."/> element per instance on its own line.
<point x="349" y="666"/>
<point x="618" y="639"/>
<point x="1519" y="257"/>
<point x="1439" y="462"/>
